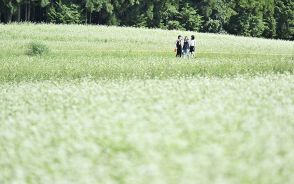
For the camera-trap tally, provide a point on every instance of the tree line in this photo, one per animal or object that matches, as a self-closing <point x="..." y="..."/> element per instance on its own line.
<point x="257" y="18"/>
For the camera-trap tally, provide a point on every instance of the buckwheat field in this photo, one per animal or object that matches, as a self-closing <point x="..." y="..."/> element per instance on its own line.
<point x="113" y="105"/>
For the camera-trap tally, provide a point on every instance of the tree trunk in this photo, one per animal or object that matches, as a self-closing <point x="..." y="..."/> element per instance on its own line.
<point x="29" y="11"/>
<point x="9" y="17"/>
<point x="18" y="12"/>
<point x="26" y="13"/>
<point x="90" y="18"/>
<point x="46" y="13"/>
<point x="86" y="21"/>
<point x="33" y="11"/>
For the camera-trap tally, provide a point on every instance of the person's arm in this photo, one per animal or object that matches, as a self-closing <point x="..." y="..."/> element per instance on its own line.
<point x="176" y="45"/>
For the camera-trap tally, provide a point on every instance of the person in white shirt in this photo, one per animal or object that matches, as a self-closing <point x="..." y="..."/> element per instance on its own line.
<point x="192" y="46"/>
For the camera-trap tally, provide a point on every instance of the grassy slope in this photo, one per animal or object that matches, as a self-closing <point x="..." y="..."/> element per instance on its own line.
<point x="199" y="129"/>
<point x="110" y="52"/>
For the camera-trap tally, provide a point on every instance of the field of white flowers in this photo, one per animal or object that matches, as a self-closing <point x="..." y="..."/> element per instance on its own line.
<point x="111" y="53"/>
<point x="113" y="105"/>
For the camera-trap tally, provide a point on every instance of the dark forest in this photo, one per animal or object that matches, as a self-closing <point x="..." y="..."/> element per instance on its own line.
<point x="256" y="18"/>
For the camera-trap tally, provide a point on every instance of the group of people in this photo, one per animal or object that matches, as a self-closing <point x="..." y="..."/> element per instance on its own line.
<point x="186" y="47"/>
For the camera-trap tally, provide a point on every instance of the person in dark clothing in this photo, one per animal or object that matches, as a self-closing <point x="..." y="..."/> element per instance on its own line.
<point x="186" y="47"/>
<point x="179" y="47"/>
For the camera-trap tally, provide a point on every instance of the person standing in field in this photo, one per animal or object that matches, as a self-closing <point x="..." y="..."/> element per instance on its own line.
<point x="179" y="46"/>
<point x="192" y="46"/>
<point x="186" y="47"/>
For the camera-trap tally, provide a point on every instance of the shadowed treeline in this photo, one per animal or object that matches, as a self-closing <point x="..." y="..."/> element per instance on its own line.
<point x="257" y="18"/>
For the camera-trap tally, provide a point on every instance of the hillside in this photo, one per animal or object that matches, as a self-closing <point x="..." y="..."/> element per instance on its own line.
<point x="104" y="52"/>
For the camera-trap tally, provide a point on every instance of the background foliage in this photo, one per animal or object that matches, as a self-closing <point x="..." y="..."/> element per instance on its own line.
<point x="258" y="18"/>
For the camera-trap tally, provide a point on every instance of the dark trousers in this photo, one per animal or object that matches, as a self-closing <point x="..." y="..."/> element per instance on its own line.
<point x="179" y="52"/>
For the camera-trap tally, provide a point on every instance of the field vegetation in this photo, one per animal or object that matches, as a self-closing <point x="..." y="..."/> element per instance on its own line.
<point x="114" y="105"/>
<point x="111" y="52"/>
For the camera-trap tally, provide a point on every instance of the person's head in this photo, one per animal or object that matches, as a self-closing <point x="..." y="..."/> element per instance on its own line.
<point x="186" y="38"/>
<point x="180" y="37"/>
<point x="192" y="37"/>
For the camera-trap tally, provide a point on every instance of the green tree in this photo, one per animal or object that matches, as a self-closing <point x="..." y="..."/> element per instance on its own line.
<point x="266" y="18"/>
<point x="64" y="14"/>
<point x="249" y="19"/>
<point x="99" y="11"/>
<point x="171" y="17"/>
<point x="190" y="18"/>
<point x="9" y="8"/>
<point x="284" y="13"/>
<point x="216" y="14"/>
<point x="269" y="19"/>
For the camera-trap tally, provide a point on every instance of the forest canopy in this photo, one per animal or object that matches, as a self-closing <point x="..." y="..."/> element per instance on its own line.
<point x="257" y="18"/>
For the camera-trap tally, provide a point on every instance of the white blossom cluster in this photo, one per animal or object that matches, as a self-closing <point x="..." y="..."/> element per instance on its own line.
<point x="190" y="130"/>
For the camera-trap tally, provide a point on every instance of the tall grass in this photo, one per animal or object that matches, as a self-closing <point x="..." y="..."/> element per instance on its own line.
<point x="110" y="52"/>
<point x="110" y="68"/>
<point x="113" y="105"/>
